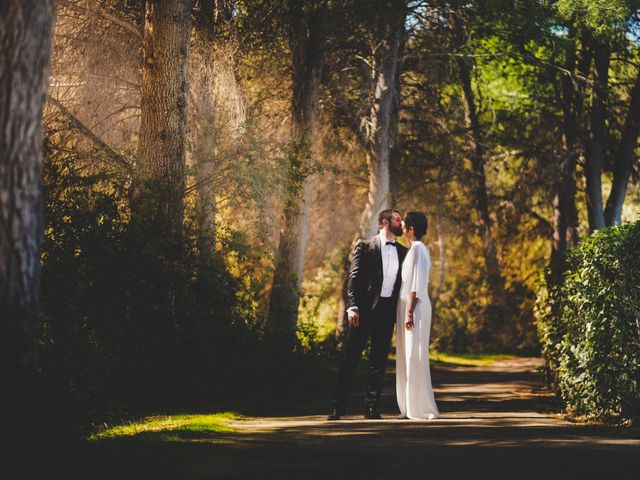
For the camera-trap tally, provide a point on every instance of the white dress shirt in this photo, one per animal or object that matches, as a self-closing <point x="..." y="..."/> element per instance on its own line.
<point x="390" y="266"/>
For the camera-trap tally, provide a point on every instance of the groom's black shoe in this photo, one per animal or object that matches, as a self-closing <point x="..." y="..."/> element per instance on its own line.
<point x="335" y="414"/>
<point x="372" y="413"/>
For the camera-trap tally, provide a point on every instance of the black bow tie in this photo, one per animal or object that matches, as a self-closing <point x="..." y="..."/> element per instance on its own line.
<point x="391" y="243"/>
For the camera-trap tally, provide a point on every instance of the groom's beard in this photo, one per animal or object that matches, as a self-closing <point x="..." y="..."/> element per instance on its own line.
<point x="397" y="231"/>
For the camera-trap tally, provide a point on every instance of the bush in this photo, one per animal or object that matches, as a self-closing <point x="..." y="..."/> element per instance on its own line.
<point x="130" y="330"/>
<point x="126" y="329"/>
<point x="590" y="326"/>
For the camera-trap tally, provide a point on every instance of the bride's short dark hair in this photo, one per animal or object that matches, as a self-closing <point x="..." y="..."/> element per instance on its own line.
<point x="418" y="221"/>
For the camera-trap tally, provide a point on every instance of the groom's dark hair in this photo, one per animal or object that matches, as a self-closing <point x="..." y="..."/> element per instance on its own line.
<point x="386" y="215"/>
<point x="418" y="221"/>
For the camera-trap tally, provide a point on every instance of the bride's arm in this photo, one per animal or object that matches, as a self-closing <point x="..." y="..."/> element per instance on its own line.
<point x="419" y="284"/>
<point x="412" y="301"/>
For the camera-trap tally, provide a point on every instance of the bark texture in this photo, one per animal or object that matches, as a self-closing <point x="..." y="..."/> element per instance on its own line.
<point x="565" y="217"/>
<point x="25" y="44"/>
<point x="395" y="154"/>
<point x="217" y="114"/>
<point x="442" y="254"/>
<point x="204" y="135"/>
<point x="597" y="143"/>
<point x="481" y="200"/>
<point x="624" y="158"/>
<point x="158" y="197"/>
<point x="497" y="320"/>
<point x="307" y="29"/>
<point x="383" y="121"/>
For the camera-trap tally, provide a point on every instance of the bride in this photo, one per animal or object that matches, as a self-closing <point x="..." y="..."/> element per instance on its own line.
<point x="413" y="325"/>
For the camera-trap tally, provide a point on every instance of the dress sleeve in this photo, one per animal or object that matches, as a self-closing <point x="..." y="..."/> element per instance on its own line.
<point x="421" y="269"/>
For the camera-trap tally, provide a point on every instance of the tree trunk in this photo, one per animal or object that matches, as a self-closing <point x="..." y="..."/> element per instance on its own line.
<point x="496" y="319"/>
<point x="565" y="217"/>
<point x="307" y="40"/>
<point x="217" y="114"/>
<point x="25" y="45"/>
<point x="597" y="142"/>
<point x="204" y="131"/>
<point x="380" y="138"/>
<point x="394" y="131"/>
<point x="474" y="139"/>
<point x="206" y="205"/>
<point x="222" y="11"/>
<point x="158" y="197"/>
<point x="442" y="250"/>
<point x="624" y="157"/>
<point x="382" y="135"/>
<point x="440" y="209"/>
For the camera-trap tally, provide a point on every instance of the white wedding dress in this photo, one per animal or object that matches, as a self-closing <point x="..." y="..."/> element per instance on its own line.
<point x="413" y="377"/>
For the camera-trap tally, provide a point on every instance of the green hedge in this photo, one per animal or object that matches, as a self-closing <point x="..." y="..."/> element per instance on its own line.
<point x="590" y="326"/>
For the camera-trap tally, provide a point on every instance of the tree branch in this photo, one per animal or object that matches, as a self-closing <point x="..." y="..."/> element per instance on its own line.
<point x="107" y="16"/>
<point x="86" y="131"/>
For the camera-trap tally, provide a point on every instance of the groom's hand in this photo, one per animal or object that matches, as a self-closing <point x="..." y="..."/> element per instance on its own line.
<point x="354" y="317"/>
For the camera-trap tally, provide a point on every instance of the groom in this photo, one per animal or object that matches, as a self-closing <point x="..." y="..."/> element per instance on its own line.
<point x="372" y="290"/>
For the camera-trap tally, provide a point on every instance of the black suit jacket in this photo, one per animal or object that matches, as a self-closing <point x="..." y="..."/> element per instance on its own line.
<point x="365" y="274"/>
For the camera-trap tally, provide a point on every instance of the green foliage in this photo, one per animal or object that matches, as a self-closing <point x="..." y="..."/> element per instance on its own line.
<point x="458" y="320"/>
<point x="468" y="360"/>
<point x="602" y="17"/>
<point x="157" y="426"/>
<point x="506" y="81"/>
<point x="590" y="326"/>
<point x="319" y="304"/>
<point x="126" y="327"/>
<point x="130" y="328"/>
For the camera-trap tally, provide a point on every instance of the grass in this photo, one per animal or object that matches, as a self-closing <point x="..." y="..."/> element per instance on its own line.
<point x="167" y="427"/>
<point x="467" y="359"/>
<point x="216" y="422"/>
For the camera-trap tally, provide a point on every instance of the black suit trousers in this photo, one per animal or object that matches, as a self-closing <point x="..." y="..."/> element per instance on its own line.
<point x="377" y="324"/>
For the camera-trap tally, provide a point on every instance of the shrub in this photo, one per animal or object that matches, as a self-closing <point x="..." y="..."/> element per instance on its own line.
<point x="126" y="329"/>
<point x="129" y="330"/>
<point x="590" y="326"/>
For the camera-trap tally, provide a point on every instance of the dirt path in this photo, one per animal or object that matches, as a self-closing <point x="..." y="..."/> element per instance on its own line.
<point x="497" y="422"/>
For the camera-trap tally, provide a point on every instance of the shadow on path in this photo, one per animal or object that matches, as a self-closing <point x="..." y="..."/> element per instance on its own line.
<point x="497" y="422"/>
